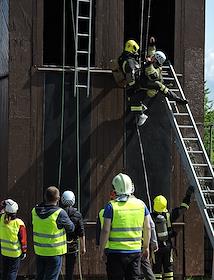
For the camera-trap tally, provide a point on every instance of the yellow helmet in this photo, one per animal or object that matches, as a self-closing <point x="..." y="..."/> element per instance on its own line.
<point x="131" y="46"/>
<point x="160" y="204"/>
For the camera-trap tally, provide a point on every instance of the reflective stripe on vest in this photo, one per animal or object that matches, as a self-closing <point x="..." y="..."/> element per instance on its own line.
<point x="127" y="225"/>
<point x="10" y="244"/>
<point x="47" y="238"/>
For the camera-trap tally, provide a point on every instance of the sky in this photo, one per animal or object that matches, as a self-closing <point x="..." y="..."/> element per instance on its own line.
<point x="209" y="47"/>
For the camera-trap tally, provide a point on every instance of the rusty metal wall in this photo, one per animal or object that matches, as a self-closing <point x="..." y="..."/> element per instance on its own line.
<point x="189" y="60"/>
<point x="4" y="50"/>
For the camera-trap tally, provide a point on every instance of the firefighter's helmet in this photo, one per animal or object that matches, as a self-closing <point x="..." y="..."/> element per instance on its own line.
<point x="122" y="184"/>
<point x="132" y="46"/>
<point x="160" y="57"/>
<point x="160" y="204"/>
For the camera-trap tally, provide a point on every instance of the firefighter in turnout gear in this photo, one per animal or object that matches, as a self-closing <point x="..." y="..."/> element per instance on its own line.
<point x="68" y="201"/>
<point x="163" y="258"/>
<point x="144" y="83"/>
<point x="13" y="238"/>
<point x="125" y="218"/>
<point x="129" y="65"/>
<point x="153" y="74"/>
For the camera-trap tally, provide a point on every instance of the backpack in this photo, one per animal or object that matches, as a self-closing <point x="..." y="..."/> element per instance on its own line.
<point x="118" y="74"/>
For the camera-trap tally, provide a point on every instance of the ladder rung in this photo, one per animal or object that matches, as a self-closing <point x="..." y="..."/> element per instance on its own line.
<point x="81" y="86"/>
<point x="208" y="191"/>
<point x="83" y="34"/>
<point x="205" y="178"/>
<point x="174" y="89"/>
<point x="212" y="220"/>
<point x="83" y="52"/>
<point x="83" y="17"/>
<point x="88" y="1"/>
<point x="185" y="126"/>
<point x="209" y="205"/>
<point x="180" y="114"/>
<point x="200" y="164"/>
<point x="190" y="139"/>
<point x="195" y="152"/>
<point x="168" y="78"/>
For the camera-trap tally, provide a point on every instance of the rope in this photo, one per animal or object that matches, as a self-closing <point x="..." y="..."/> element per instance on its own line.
<point x="147" y="27"/>
<point x="62" y="101"/>
<point x="141" y="32"/>
<point x="144" y="168"/>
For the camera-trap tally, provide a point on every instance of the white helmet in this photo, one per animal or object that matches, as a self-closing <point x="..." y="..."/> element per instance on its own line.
<point x="160" y="56"/>
<point x="68" y="198"/>
<point x="11" y="206"/>
<point x="123" y="184"/>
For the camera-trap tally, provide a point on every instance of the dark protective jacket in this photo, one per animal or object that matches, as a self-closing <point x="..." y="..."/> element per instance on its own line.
<point x="76" y="218"/>
<point x="171" y="217"/>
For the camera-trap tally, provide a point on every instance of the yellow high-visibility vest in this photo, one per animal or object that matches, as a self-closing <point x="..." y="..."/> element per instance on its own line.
<point x="10" y="244"/>
<point x="47" y="238"/>
<point x="127" y="225"/>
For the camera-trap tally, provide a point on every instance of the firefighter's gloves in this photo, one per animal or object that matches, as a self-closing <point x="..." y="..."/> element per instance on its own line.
<point x="151" y="41"/>
<point x="190" y="191"/>
<point x="23" y="256"/>
<point x="176" y="98"/>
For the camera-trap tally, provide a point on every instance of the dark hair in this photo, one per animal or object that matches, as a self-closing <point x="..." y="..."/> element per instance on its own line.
<point x="52" y="194"/>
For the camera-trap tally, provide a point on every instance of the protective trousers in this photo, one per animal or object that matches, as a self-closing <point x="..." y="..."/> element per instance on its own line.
<point x="163" y="261"/>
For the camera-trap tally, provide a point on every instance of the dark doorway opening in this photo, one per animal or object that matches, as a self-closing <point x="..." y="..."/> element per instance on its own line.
<point x="161" y="23"/>
<point x="53" y="32"/>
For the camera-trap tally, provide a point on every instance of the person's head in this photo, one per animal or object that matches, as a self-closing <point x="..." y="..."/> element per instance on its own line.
<point x="52" y="195"/>
<point x="11" y="208"/>
<point x="160" y="204"/>
<point x="159" y="58"/>
<point x="68" y="198"/>
<point x="132" y="47"/>
<point x="122" y="184"/>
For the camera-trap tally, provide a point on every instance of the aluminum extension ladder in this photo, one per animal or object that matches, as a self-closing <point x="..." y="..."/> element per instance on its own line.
<point x="83" y="46"/>
<point x="193" y="154"/>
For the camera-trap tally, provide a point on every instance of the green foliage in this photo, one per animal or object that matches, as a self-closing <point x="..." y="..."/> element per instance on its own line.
<point x="208" y="124"/>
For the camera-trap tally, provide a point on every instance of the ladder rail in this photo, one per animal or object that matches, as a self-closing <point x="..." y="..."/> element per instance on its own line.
<point x="204" y="200"/>
<point x="192" y="121"/>
<point x="187" y="156"/>
<point x="78" y="51"/>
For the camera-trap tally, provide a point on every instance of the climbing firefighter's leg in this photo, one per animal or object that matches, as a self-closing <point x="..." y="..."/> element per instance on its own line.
<point x="157" y="259"/>
<point x="137" y="107"/>
<point x="168" y="263"/>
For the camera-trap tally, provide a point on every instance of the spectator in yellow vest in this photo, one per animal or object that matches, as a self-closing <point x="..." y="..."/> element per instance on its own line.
<point x="124" y="220"/>
<point x="13" y="239"/>
<point x="50" y="225"/>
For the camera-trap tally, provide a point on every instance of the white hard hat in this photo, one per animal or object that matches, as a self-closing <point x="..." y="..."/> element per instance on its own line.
<point x="68" y="198"/>
<point x="160" y="56"/>
<point x="123" y="184"/>
<point x="11" y="206"/>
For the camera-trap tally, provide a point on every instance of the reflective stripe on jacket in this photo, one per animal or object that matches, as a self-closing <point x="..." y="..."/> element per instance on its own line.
<point x="48" y="239"/>
<point x="127" y="225"/>
<point x="10" y="244"/>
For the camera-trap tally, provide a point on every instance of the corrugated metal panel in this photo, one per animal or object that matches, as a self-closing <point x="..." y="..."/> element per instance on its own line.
<point x="4" y="36"/>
